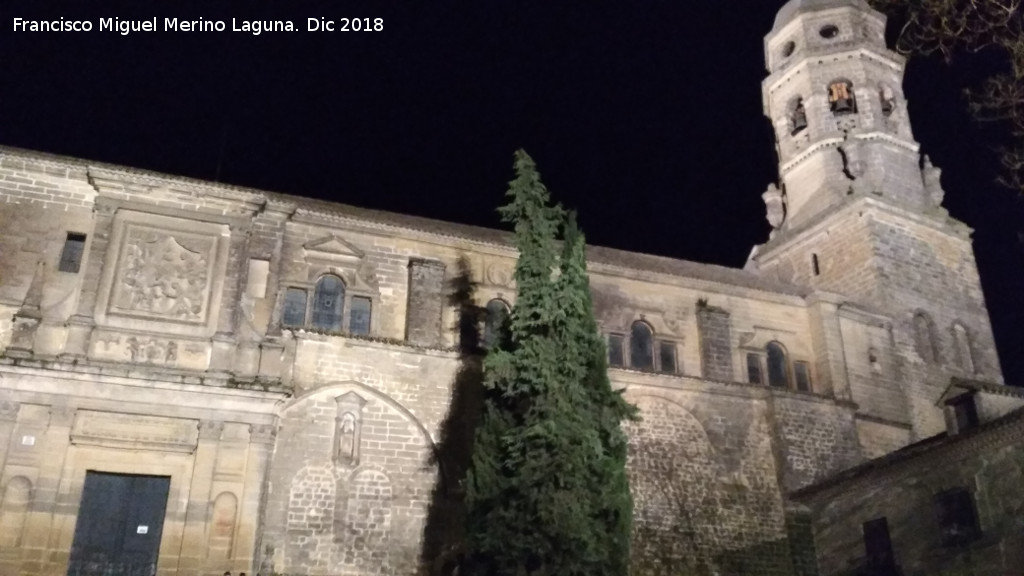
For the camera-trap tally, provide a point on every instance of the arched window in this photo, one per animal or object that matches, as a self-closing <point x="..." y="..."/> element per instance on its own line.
<point x="840" y="97"/>
<point x="797" y="116"/>
<point x="924" y="337"/>
<point x="778" y="374"/>
<point x="963" y="347"/>
<point x="887" y="99"/>
<point x="641" y="346"/>
<point x="328" y="301"/>
<point x="494" y="321"/>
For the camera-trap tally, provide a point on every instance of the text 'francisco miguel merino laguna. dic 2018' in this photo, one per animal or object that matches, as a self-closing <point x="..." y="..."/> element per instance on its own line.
<point x="125" y="27"/>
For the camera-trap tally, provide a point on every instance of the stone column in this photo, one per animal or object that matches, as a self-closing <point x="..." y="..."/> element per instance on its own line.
<point x="193" y="546"/>
<point x="250" y="536"/>
<point x="827" y="342"/>
<point x="714" y="331"/>
<point x="8" y="418"/>
<point x="39" y="530"/>
<point x="426" y="302"/>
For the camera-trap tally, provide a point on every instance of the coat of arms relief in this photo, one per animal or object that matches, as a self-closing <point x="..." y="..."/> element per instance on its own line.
<point x="164" y="275"/>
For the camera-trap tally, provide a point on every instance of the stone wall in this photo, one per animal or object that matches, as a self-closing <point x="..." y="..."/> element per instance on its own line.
<point x="177" y="314"/>
<point x="988" y="464"/>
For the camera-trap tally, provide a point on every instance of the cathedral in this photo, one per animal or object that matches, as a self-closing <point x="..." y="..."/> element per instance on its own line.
<point x="197" y="378"/>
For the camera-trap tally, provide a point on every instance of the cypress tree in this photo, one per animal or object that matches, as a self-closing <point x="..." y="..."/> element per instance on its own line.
<point x="546" y="491"/>
<point x="587" y="357"/>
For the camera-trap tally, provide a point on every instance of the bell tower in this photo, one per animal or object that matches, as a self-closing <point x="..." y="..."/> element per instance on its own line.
<point x="857" y="210"/>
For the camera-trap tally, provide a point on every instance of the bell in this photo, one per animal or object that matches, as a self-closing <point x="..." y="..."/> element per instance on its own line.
<point x="842" y="105"/>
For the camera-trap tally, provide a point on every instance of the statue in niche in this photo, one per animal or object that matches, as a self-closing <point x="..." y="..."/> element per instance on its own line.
<point x="347" y="442"/>
<point x="348" y="428"/>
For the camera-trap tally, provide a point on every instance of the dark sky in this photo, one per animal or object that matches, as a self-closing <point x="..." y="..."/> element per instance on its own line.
<point x="644" y="116"/>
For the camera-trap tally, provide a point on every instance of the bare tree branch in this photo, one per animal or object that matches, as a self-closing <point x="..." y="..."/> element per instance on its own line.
<point x="951" y="27"/>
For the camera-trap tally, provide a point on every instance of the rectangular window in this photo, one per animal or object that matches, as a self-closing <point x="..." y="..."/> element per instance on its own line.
<point x="754" y="375"/>
<point x="359" y="315"/>
<point x="966" y="412"/>
<point x="667" y="355"/>
<point x="615" y="342"/>
<point x="294" y="313"/>
<point x="957" y="516"/>
<point x="802" y="375"/>
<point x="71" y="256"/>
<point x="878" y="545"/>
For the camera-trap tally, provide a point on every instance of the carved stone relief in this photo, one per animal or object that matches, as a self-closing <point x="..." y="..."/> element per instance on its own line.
<point x="164" y="275"/>
<point x="114" y="430"/>
<point x="153" y="351"/>
<point x="161" y="276"/>
<point x="499" y="274"/>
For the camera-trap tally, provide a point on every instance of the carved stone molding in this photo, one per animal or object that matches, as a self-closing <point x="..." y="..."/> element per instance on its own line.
<point x="332" y="249"/>
<point x="262" y="433"/>
<point x="210" y="429"/>
<point x="163" y="274"/>
<point x="499" y="273"/>
<point x="134" y="432"/>
<point x="62" y="416"/>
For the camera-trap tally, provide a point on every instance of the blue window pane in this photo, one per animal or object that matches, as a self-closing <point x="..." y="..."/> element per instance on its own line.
<point x="754" y="375"/>
<point x="494" y="321"/>
<point x="802" y="375"/>
<point x="359" y="315"/>
<point x="641" y="347"/>
<point x="71" y="256"/>
<point x="615" y="357"/>
<point x="328" y="300"/>
<point x="294" y="307"/>
<point x="777" y="374"/>
<point x="667" y="355"/>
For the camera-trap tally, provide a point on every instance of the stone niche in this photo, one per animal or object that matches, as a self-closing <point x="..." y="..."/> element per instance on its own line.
<point x="163" y="275"/>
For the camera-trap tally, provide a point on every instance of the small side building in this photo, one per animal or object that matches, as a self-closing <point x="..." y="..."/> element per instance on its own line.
<point x="951" y="504"/>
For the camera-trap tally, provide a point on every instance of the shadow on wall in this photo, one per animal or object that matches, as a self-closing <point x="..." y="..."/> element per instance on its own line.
<point x="443" y="534"/>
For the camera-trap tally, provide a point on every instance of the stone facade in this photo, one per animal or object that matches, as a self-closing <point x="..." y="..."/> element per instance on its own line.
<point x="289" y="364"/>
<point x="906" y="491"/>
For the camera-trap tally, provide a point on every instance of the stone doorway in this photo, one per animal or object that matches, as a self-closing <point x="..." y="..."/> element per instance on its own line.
<point x="120" y="521"/>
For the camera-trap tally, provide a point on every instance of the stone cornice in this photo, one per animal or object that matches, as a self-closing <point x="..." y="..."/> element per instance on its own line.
<point x="448" y="235"/>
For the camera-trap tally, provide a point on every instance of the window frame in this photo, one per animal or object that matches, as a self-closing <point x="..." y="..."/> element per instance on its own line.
<point x="72" y="255"/>
<point x="787" y="375"/>
<point x="848" y="90"/>
<point x="484" y="341"/>
<point x="964" y="408"/>
<point x="350" y="293"/>
<point x="948" y="505"/>
<point x="658" y="345"/>
<point x="760" y="357"/>
<point x="651" y="344"/>
<point x="878" y="549"/>
<point x="305" y="306"/>
<point x="621" y="346"/>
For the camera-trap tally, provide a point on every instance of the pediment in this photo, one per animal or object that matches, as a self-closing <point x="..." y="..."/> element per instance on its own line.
<point x="332" y="248"/>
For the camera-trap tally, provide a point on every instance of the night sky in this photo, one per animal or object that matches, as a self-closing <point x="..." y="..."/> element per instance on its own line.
<point x="645" y="117"/>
